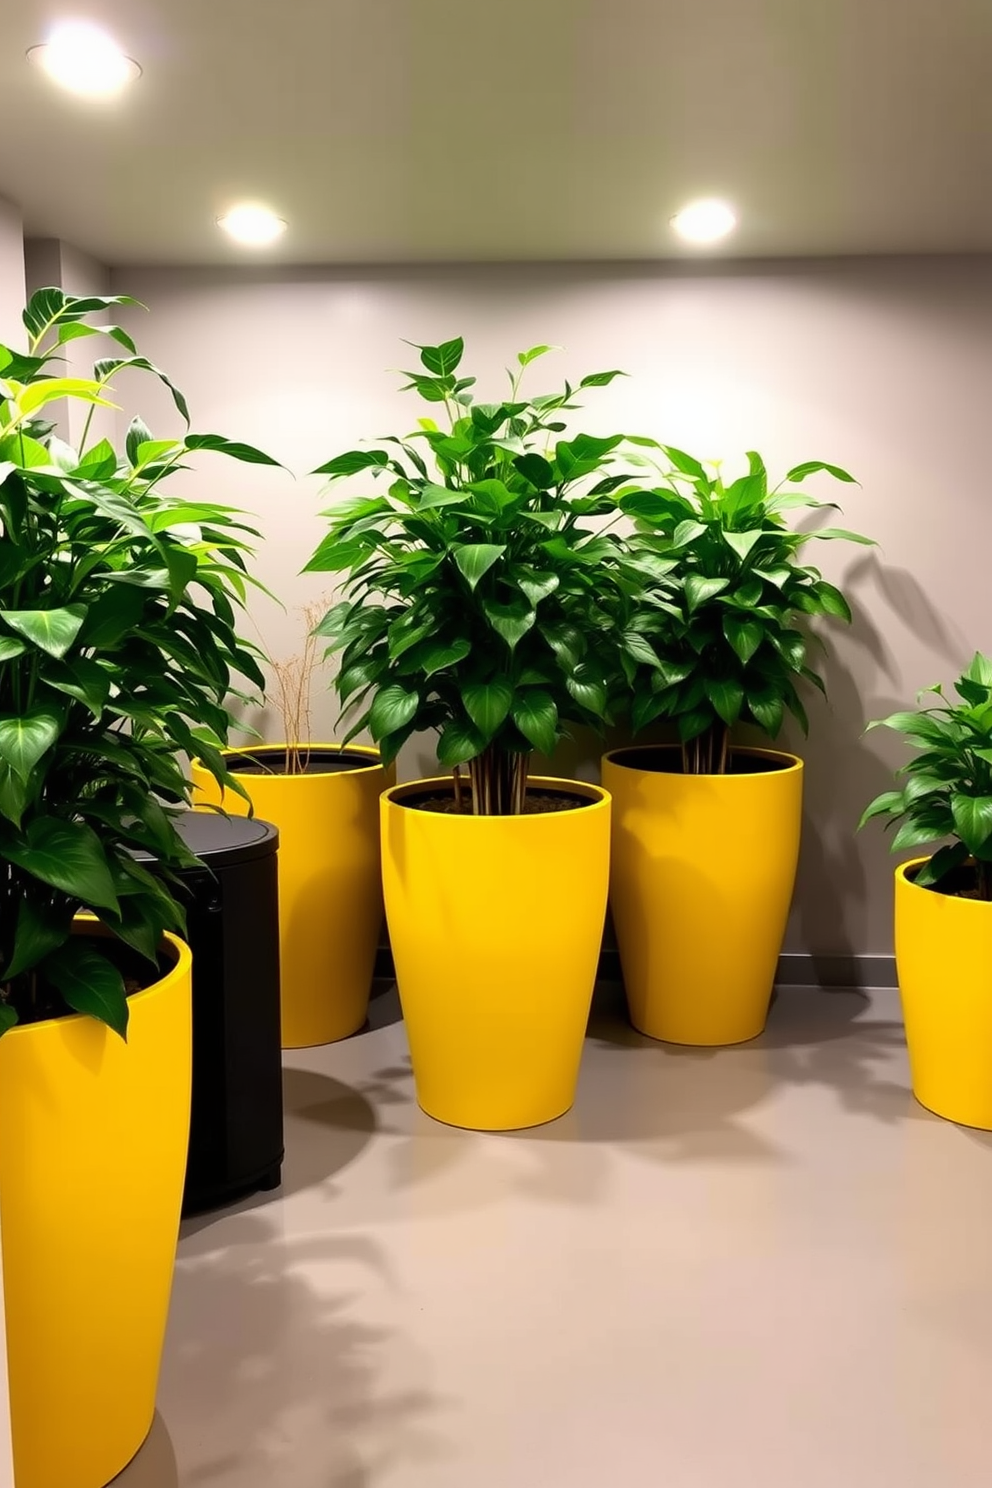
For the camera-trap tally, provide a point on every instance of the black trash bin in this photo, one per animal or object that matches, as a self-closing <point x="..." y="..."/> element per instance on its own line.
<point x="232" y="915"/>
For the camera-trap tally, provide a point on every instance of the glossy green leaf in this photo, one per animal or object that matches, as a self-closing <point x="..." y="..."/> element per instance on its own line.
<point x="52" y="631"/>
<point x="512" y="621"/>
<point x="699" y="589"/>
<point x="90" y="983"/>
<point x="727" y="697"/>
<point x="972" y="820"/>
<point x="474" y="560"/>
<point x="354" y="461"/>
<point x="392" y="709"/>
<point x="67" y="855"/>
<point x="458" y="743"/>
<point x="745" y="636"/>
<point x="811" y="467"/>
<point x="439" y="655"/>
<point x="444" y="359"/>
<point x="247" y="453"/>
<point x="487" y="704"/>
<point x="25" y="737"/>
<point x="536" y="716"/>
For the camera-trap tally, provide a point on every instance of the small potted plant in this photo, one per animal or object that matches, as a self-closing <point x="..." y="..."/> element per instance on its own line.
<point x="480" y="603"/>
<point x="706" y="832"/>
<point x="324" y="798"/>
<point x="117" y="651"/>
<point x="943" y="903"/>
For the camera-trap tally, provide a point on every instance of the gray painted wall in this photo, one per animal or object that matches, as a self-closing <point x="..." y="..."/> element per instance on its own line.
<point x="884" y="366"/>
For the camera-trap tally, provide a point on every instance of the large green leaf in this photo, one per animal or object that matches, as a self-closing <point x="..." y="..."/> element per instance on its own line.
<point x="108" y="366"/>
<point x="90" y="983"/>
<point x="972" y="820"/>
<point x="842" y="534"/>
<point x="536" y="716"/>
<point x="67" y="855"/>
<point x="353" y="461"/>
<point x="699" y="588"/>
<point x="487" y="704"/>
<point x="511" y="621"/>
<point x="727" y="697"/>
<point x="459" y="742"/>
<point x="392" y="709"/>
<point x="247" y="453"/>
<point x="811" y="467"/>
<point x="745" y="636"/>
<point x="52" y="630"/>
<point x="588" y="689"/>
<point x="25" y="737"/>
<point x="444" y="359"/>
<point x="476" y="559"/>
<point x="41" y="929"/>
<point x="439" y="655"/>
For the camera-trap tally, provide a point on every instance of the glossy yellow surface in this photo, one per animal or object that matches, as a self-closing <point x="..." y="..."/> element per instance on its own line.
<point x="93" y="1137"/>
<point x="703" y="868"/>
<point x="944" y="962"/>
<point x="496" y="925"/>
<point x="330" y="890"/>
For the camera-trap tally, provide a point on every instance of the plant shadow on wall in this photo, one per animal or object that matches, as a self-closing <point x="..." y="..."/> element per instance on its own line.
<point x="280" y="1336"/>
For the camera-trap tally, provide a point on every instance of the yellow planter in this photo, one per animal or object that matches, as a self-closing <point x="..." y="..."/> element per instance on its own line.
<point x="703" y="868"/>
<point x="496" y="925"/>
<point x="944" y="962"/>
<point x="330" y="890"/>
<point x="93" y="1137"/>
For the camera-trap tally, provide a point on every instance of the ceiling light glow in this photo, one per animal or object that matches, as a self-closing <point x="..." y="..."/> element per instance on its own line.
<point x="252" y="225"/>
<point x="704" y="221"/>
<point x="85" y="60"/>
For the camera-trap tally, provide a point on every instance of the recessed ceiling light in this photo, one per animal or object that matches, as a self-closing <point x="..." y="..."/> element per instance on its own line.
<point x="84" y="59"/>
<point x="252" y="225"/>
<point x="704" y="221"/>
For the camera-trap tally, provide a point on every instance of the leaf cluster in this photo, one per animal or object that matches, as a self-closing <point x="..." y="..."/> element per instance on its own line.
<point x="946" y="789"/>
<point x="118" y="651"/>
<point x="717" y="634"/>
<point x="480" y="600"/>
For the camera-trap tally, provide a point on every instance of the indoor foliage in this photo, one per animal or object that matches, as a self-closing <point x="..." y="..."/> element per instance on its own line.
<point x="478" y="600"/>
<point x="717" y="635"/>
<point x="948" y="785"/>
<point x="117" y="651"/>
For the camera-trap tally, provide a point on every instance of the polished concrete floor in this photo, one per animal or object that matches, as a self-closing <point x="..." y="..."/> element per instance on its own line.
<point x="761" y="1267"/>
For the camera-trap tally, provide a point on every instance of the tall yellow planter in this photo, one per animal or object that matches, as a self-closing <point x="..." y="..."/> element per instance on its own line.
<point x="944" y="963"/>
<point x="330" y="890"/>
<point x="93" y="1137"/>
<point x="703" y="868"/>
<point x="496" y="925"/>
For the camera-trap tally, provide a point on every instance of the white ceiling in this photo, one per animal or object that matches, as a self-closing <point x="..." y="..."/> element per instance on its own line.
<point x="518" y="129"/>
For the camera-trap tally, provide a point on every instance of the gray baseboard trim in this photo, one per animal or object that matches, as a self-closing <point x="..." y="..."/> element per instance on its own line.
<point x="800" y="969"/>
<point x="795" y="969"/>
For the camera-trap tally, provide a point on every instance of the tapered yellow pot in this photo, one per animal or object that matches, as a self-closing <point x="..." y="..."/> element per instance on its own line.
<point x="496" y="925"/>
<point x="703" y="868"/>
<point x="93" y="1138"/>
<point x="330" y="889"/>
<point x="944" y="964"/>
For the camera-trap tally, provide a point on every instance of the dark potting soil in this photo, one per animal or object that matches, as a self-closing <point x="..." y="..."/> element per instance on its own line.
<point x="665" y="760"/>
<point x="536" y="803"/>
<point x="319" y="762"/>
<point x="138" y="974"/>
<point x="961" y="884"/>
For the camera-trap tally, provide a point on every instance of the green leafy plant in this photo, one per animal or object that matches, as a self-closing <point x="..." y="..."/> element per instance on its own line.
<point x="478" y="600"/>
<point x="118" y="649"/>
<point x="947" y="790"/>
<point x="716" y="635"/>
